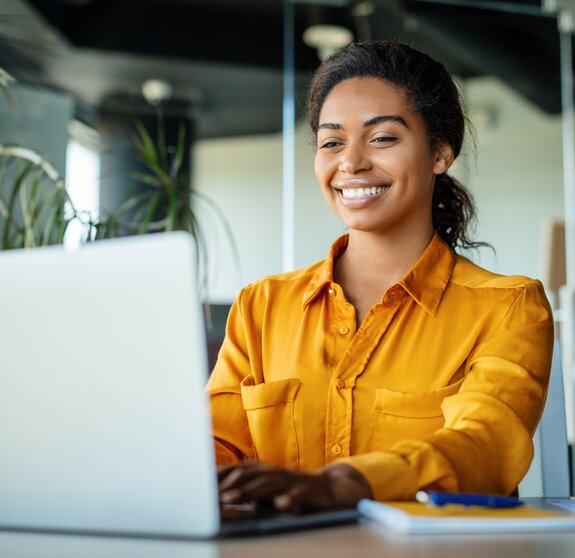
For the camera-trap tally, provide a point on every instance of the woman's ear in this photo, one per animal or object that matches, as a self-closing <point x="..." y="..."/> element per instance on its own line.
<point x="443" y="158"/>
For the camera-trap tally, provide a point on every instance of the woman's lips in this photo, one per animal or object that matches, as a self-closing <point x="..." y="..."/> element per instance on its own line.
<point x="356" y="193"/>
<point x="359" y="194"/>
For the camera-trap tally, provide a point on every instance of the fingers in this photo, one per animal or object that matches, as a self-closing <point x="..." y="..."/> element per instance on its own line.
<point x="252" y="482"/>
<point x="285" y="490"/>
<point x="347" y="485"/>
<point x="338" y="485"/>
<point x="335" y="486"/>
<point x="311" y="492"/>
<point x="231" y="475"/>
<point x="261" y="488"/>
<point x="225" y="470"/>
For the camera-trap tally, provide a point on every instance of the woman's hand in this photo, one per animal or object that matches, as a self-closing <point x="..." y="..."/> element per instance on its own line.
<point x="337" y="485"/>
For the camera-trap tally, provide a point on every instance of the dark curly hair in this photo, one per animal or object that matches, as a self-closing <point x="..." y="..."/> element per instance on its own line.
<point x="432" y="94"/>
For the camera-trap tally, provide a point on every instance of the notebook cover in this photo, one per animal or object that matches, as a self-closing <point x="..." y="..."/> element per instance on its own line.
<point x="413" y="517"/>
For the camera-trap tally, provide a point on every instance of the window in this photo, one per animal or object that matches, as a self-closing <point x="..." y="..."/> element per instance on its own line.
<point x="82" y="180"/>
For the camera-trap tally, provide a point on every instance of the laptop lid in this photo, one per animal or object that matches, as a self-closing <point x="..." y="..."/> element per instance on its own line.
<point x="104" y="423"/>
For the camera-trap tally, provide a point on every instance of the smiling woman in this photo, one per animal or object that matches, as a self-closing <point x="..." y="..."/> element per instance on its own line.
<point x="395" y="364"/>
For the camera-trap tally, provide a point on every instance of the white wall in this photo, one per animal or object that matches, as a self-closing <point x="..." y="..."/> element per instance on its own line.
<point x="243" y="176"/>
<point x="516" y="178"/>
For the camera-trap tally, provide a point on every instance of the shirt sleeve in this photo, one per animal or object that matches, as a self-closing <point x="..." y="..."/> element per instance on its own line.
<point x="485" y="444"/>
<point x="233" y="442"/>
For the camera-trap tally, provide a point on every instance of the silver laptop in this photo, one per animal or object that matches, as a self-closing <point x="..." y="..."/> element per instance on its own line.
<point x="104" y="421"/>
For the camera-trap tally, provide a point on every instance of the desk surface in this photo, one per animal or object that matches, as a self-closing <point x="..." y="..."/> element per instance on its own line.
<point x="365" y="540"/>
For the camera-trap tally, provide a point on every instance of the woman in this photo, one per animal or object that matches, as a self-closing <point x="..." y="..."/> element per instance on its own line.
<point x="394" y="365"/>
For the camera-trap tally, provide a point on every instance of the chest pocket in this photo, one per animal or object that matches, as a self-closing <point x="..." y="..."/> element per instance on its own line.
<point x="270" y="411"/>
<point x="400" y="415"/>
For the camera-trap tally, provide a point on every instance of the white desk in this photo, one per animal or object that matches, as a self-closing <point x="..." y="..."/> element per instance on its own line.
<point x="352" y="541"/>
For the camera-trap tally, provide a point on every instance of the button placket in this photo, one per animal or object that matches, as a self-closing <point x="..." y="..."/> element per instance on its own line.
<point x="339" y="413"/>
<point x="352" y="365"/>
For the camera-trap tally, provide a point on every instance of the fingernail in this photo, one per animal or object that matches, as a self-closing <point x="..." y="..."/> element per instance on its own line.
<point x="282" y="502"/>
<point x="229" y="496"/>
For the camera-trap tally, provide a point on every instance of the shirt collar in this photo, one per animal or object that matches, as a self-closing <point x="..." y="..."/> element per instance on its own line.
<point x="425" y="282"/>
<point x="324" y="274"/>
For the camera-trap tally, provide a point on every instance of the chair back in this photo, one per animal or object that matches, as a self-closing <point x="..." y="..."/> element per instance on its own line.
<point x="548" y="475"/>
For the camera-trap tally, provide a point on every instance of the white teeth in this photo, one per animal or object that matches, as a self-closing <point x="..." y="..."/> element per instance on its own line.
<point x="350" y="193"/>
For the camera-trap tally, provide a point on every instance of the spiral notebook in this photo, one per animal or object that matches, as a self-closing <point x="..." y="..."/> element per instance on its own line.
<point x="413" y="517"/>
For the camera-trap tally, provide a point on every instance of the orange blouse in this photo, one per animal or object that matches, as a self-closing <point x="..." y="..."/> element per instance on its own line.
<point x="440" y="387"/>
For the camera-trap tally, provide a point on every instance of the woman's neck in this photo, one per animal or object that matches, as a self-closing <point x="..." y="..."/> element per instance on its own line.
<point x="372" y="263"/>
<point x="384" y="256"/>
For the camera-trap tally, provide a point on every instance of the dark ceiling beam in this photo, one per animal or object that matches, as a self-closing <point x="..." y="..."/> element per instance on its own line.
<point x="182" y="30"/>
<point x="199" y="31"/>
<point x="521" y="50"/>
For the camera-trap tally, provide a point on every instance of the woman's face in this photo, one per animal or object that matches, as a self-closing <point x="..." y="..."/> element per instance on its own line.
<point x="373" y="160"/>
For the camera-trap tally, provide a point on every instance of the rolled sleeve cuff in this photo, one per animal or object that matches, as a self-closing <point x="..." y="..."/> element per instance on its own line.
<point x="389" y="476"/>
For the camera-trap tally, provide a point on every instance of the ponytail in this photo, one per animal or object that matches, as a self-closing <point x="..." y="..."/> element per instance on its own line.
<point x="453" y="213"/>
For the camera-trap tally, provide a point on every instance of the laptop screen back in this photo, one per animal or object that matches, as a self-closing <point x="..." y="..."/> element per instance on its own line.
<point x="104" y="422"/>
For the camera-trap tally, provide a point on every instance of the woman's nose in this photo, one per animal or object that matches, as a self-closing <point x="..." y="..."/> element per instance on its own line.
<point x="353" y="160"/>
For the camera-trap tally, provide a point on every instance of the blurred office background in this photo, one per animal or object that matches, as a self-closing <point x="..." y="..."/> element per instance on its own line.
<point x="81" y="66"/>
<point x="236" y="71"/>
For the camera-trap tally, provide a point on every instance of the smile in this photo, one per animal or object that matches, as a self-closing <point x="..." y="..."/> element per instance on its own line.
<point x="356" y="193"/>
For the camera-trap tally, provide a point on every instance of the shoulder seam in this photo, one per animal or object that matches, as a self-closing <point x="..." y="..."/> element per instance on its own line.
<point x="526" y="283"/>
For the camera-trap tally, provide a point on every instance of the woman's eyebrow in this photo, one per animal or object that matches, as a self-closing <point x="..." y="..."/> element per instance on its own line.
<point x="367" y="123"/>
<point x="385" y="118"/>
<point x="329" y="126"/>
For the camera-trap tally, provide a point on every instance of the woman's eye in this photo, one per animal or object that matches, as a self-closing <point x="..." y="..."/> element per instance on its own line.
<point x="384" y="139"/>
<point x="329" y="144"/>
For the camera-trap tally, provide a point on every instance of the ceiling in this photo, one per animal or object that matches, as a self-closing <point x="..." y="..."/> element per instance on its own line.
<point x="224" y="58"/>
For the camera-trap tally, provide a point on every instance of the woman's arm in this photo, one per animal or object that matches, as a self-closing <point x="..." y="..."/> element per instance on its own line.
<point x="232" y="437"/>
<point x="485" y="444"/>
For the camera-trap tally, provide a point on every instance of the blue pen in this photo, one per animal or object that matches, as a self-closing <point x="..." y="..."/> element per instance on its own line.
<point x="434" y="498"/>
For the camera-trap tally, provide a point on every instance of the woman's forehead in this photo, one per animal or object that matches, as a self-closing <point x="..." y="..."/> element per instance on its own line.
<point x="364" y="97"/>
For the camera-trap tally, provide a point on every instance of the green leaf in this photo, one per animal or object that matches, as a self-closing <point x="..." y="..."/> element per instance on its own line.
<point x="162" y="149"/>
<point x="29" y="237"/>
<point x="35" y="198"/>
<point x="180" y="150"/>
<point x="172" y="214"/>
<point x="154" y="158"/>
<point x="3" y="209"/>
<point x="19" y="180"/>
<point x="149" y="214"/>
<point x="147" y="147"/>
<point x="146" y="179"/>
<point x="201" y="252"/>
<point x="132" y="202"/>
<point x="50" y="225"/>
<point x="61" y="231"/>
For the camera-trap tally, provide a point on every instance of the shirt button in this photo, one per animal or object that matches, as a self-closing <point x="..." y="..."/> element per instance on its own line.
<point x="339" y="383"/>
<point x="344" y="330"/>
<point x="331" y="292"/>
<point x="336" y="449"/>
